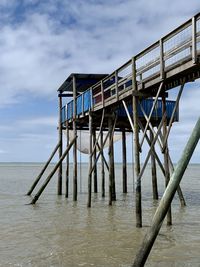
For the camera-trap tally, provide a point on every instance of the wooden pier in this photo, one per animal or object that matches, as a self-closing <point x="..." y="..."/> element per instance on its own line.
<point x="133" y="98"/>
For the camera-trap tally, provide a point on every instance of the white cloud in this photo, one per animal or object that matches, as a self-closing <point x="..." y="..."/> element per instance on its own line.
<point x="43" y="42"/>
<point x="55" y="38"/>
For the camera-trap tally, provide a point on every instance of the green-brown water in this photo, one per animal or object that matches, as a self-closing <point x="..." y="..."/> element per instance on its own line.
<point x="58" y="232"/>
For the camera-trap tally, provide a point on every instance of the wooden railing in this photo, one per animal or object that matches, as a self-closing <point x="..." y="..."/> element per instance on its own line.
<point x="180" y="46"/>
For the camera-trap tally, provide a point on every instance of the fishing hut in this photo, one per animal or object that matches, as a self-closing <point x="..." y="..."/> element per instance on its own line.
<point x="133" y="98"/>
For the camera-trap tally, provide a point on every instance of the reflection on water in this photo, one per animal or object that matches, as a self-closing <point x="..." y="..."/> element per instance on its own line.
<point x="58" y="232"/>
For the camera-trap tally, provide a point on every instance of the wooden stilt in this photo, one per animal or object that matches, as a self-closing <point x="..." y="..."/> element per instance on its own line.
<point x="138" y="197"/>
<point x="67" y="162"/>
<point x="110" y="161"/>
<point x="52" y="172"/>
<point x="166" y="200"/>
<point x="103" y="157"/>
<point x="102" y="169"/>
<point x="124" y="171"/>
<point x="153" y="171"/>
<point x="90" y="163"/>
<point x="113" y="173"/>
<point x="166" y="157"/>
<point x="113" y="164"/>
<point x="179" y="191"/>
<point x="75" y="143"/>
<point x="59" y="191"/>
<point x="43" y="170"/>
<point x="94" y="160"/>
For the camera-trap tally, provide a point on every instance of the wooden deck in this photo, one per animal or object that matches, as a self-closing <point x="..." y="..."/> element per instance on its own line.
<point x="172" y="59"/>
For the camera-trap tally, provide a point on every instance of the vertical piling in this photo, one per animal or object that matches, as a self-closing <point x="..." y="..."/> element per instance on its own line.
<point x="110" y="161"/>
<point x="90" y="163"/>
<point x="67" y="162"/>
<point x="124" y="163"/>
<point x="153" y="170"/>
<point x="166" y="200"/>
<point x="75" y="144"/>
<point x="94" y="160"/>
<point x="166" y="157"/>
<point x="102" y="168"/>
<point x="138" y="198"/>
<point x="59" y="187"/>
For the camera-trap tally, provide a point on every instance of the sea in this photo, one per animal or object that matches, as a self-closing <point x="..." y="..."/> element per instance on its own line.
<point x="58" y="232"/>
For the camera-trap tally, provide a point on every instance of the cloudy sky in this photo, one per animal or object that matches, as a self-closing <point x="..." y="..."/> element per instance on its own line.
<point x="42" y="42"/>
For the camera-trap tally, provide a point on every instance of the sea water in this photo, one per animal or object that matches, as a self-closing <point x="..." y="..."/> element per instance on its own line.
<point x="59" y="232"/>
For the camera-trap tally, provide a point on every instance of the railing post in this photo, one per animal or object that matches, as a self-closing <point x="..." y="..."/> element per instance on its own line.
<point x="102" y="95"/>
<point x="162" y="64"/>
<point x="91" y="99"/>
<point x="116" y="85"/>
<point x="194" y="41"/>
<point x="82" y="103"/>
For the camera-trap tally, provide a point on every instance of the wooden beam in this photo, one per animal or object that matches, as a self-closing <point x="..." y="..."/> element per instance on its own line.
<point x="43" y="170"/>
<point x="52" y="172"/>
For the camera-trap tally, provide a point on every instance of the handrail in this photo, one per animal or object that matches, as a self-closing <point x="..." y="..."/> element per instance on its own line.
<point x="153" y="61"/>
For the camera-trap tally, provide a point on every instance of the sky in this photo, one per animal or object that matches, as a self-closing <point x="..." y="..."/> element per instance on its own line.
<point x="42" y="42"/>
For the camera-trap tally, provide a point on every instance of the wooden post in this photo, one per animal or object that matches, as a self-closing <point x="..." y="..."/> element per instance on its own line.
<point x="124" y="171"/>
<point x="167" y="198"/>
<point x="162" y="63"/>
<point x="90" y="163"/>
<point x="137" y="152"/>
<point x="113" y="172"/>
<point x="153" y="170"/>
<point x="67" y="162"/>
<point x="52" y="172"/>
<point x="110" y="161"/>
<point x="59" y="188"/>
<point x="94" y="160"/>
<point x="102" y="169"/>
<point x="75" y="143"/>
<point x="194" y="40"/>
<point x="166" y="157"/>
<point x="43" y="170"/>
